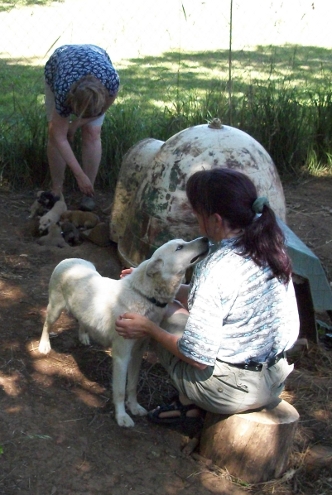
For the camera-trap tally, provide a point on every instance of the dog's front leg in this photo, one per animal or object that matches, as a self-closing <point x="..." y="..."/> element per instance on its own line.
<point x="133" y="374"/>
<point x="121" y="352"/>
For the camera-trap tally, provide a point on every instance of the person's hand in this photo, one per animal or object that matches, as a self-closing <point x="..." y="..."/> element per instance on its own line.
<point x="126" y="271"/>
<point x="132" y="326"/>
<point x="85" y="184"/>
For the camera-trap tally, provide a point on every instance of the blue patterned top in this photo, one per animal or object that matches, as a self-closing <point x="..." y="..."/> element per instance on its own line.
<point x="237" y="311"/>
<point x="69" y="63"/>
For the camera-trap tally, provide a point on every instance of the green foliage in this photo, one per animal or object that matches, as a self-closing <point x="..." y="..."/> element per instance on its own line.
<point x="276" y="115"/>
<point x="7" y="5"/>
<point x="282" y="96"/>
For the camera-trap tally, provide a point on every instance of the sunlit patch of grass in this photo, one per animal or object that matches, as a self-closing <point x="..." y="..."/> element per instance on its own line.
<point x="319" y="167"/>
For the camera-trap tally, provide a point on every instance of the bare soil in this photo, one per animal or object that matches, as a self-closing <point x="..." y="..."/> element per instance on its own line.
<point x="58" y="434"/>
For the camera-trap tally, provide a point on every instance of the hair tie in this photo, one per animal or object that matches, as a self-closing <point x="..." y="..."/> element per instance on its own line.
<point x="259" y="203"/>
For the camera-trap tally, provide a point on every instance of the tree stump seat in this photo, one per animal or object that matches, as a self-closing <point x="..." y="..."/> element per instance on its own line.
<point x="253" y="446"/>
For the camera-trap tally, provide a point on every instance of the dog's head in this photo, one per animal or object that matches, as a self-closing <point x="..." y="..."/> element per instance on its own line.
<point x="47" y="199"/>
<point x="161" y="276"/>
<point x="44" y="223"/>
<point x="176" y="256"/>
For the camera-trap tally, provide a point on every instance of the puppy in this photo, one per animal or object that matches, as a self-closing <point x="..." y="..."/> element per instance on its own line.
<point x="44" y="202"/>
<point x="53" y="237"/>
<point x="70" y="233"/>
<point x="96" y="302"/>
<point x="52" y="216"/>
<point x="48" y="199"/>
<point x="81" y="219"/>
<point x="37" y="208"/>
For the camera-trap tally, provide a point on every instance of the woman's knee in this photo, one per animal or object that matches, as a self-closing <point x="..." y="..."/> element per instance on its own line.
<point x="175" y="308"/>
<point x="175" y="323"/>
<point x="91" y="134"/>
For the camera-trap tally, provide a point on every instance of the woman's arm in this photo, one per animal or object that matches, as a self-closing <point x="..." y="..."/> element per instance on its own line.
<point x="182" y="295"/>
<point x="135" y="326"/>
<point x="58" y="130"/>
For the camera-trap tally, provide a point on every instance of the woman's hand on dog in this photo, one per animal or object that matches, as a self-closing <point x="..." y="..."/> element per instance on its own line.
<point x="126" y="271"/>
<point x="133" y="326"/>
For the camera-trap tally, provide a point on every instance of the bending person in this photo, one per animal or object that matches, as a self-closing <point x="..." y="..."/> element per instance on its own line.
<point x="80" y="81"/>
<point x="228" y="353"/>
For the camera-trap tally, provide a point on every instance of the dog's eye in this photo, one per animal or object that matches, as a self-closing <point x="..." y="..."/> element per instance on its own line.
<point x="180" y="246"/>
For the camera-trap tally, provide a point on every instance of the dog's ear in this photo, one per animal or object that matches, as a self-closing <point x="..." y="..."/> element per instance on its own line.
<point x="154" y="266"/>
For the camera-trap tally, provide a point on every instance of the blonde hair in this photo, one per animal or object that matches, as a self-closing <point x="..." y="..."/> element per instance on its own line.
<point x="87" y="97"/>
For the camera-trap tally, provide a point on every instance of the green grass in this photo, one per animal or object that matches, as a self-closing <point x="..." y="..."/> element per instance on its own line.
<point x="281" y="96"/>
<point x="5" y="6"/>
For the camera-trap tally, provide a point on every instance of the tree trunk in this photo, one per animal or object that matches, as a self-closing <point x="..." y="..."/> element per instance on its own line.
<point x="252" y="446"/>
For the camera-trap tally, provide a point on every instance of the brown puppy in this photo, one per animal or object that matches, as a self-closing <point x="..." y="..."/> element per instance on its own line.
<point x="81" y="219"/>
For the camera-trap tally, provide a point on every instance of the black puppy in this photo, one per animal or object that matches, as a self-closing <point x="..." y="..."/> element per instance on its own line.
<point x="44" y="202"/>
<point x="47" y="199"/>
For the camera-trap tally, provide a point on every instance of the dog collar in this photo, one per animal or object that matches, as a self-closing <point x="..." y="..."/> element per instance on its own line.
<point x="157" y="303"/>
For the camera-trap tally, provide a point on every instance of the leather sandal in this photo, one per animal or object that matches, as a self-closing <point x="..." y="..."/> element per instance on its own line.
<point x="175" y="405"/>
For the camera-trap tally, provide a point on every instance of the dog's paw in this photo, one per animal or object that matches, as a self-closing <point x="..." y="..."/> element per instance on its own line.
<point x="44" y="347"/>
<point x="137" y="410"/>
<point x="125" y="420"/>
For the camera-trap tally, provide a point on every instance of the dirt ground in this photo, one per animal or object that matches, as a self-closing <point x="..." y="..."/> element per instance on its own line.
<point x="58" y="434"/>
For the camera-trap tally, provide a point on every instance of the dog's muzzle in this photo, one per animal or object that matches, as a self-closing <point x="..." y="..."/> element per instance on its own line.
<point x="202" y="255"/>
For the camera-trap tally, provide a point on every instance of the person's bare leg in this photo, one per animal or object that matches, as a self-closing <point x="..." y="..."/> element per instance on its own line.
<point x="91" y="156"/>
<point x="57" y="167"/>
<point x="91" y="151"/>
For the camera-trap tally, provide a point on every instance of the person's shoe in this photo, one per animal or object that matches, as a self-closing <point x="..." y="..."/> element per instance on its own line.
<point x="176" y="413"/>
<point x="87" y="204"/>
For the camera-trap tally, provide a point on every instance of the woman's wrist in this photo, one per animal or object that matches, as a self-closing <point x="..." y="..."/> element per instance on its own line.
<point x="152" y="330"/>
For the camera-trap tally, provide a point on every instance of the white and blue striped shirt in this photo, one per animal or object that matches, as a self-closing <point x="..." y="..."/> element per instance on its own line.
<point x="238" y="312"/>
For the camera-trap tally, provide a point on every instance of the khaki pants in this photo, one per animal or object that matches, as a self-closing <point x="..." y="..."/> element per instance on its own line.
<point x="222" y="389"/>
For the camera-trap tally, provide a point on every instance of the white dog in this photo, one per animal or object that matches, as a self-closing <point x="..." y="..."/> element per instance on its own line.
<point x="96" y="302"/>
<point x="53" y="215"/>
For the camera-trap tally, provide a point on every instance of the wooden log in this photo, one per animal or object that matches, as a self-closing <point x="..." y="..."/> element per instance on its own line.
<point x="252" y="446"/>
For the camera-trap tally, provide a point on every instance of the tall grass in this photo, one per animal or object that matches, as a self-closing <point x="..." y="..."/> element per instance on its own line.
<point x="292" y="121"/>
<point x="281" y="118"/>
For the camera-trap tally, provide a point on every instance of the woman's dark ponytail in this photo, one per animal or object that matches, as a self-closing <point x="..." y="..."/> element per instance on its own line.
<point x="264" y="241"/>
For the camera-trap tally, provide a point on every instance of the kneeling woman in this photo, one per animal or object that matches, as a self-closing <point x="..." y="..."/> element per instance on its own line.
<point x="238" y="316"/>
